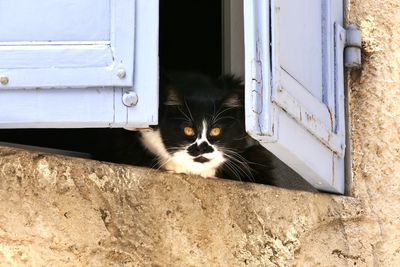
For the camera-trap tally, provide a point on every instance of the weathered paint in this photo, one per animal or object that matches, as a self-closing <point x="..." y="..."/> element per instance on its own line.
<point x="296" y="107"/>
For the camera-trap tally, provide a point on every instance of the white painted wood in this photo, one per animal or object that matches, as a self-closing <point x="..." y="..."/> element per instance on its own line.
<point x="328" y="55"/>
<point x="338" y="85"/>
<point x="50" y="20"/>
<point x="314" y="56"/>
<point x="123" y="36"/>
<point x="303" y="98"/>
<point x="62" y="108"/>
<point x="55" y="56"/>
<point x="295" y="108"/>
<point x="292" y="74"/>
<point x="258" y="109"/>
<point x="308" y="112"/>
<point x="300" y="51"/>
<point x="88" y="105"/>
<point x="306" y="155"/>
<point x="61" y="78"/>
<point x="58" y="49"/>
<point x="146" y="66"/>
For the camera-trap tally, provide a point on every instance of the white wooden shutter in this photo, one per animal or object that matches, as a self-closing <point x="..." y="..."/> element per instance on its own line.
<point x="66" y="43"/>
<point x="70" y="63"/>
<point x="294" y="85"/>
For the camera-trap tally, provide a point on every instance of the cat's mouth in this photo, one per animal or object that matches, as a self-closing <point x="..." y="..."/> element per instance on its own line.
<point x="201" y="159"/>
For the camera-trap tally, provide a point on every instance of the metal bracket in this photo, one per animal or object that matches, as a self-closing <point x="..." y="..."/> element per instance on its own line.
<point x="352" y="51"/>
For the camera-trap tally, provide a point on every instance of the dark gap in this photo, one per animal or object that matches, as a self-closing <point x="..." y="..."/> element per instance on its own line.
<point x="191" y="36"/>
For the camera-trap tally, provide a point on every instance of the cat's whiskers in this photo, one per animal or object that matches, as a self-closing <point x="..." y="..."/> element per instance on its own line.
<point x="236" y="159"/>
<point x="158" y="161"/>
<point x="225" y="117"/>
<point x="243" y="169"/>
<point x="184" y="114"/>
<point x="187" y="106"/>
<point x="219" y="113"/>
<point x="163" y="164"/>
<point x="238" y="171"/>
<point x="214" y="110"/>
<point x="242" y="158"/>
<point x="232" y="169"/>
<point x="241" y="138"/>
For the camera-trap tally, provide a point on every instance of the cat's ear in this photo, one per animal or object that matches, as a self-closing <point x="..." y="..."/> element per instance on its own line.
<point x="233" y="101"/>
<point x="172" y="97"/>
<point x="235" y="88"/>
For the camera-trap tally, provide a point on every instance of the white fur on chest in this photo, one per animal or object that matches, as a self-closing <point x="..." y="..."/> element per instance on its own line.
<point x="181" y="161"/>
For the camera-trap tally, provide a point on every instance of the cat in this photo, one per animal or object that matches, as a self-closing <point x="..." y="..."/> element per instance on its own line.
<point x="201" y="125"/>
<point x="202" y="131"/>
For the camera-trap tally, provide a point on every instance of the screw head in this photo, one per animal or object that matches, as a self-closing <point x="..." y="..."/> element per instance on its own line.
<point x="4" y="80"/>
<point x="130" y="99"/>
<point x="121" y="73"/>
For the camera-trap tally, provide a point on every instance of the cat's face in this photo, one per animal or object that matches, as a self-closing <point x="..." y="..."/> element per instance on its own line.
<point x="201" y="125"/>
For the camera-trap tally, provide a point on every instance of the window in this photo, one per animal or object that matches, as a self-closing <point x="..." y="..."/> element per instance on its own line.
<point x="105" y="74"/>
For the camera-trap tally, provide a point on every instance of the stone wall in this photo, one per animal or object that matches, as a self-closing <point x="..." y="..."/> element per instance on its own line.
<point x="57" y="211"/>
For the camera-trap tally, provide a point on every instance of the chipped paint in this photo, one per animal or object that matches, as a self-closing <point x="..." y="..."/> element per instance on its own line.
<point x="317" y="128"/>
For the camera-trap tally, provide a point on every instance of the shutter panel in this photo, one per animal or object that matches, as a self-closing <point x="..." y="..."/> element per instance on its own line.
<point x="66" y="43"/>
<point x="294" y="85"/>
<point x="68" y="63"/>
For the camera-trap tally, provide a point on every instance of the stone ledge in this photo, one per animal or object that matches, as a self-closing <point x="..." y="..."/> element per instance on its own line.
<point x="61" y="211"/>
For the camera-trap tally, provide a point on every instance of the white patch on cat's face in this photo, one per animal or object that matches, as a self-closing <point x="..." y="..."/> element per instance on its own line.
<point x="181" y="161"/>
<point x="203" y="136"/>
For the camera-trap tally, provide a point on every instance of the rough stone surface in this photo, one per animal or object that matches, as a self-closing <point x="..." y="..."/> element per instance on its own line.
<point x="58" y="211"/>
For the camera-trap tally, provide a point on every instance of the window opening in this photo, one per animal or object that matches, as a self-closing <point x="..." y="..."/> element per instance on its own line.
<point x="199" y="36"/>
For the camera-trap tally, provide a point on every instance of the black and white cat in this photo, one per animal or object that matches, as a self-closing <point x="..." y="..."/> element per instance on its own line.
<point x="201" y="126"/>
<point x="202" y="131"/>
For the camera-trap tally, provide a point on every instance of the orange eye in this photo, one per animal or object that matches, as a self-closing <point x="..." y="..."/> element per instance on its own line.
<point x="215" y="131"/>
<point x="188" y="131"/>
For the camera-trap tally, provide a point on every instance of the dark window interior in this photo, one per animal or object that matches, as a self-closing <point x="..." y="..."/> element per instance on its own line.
<point x="191" y="35"/>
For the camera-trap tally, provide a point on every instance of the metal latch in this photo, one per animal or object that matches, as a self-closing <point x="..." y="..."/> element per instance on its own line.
<point x="352" y="51"/>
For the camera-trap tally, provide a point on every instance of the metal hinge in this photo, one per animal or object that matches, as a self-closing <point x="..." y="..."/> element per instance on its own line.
<point x="352" y="50"/>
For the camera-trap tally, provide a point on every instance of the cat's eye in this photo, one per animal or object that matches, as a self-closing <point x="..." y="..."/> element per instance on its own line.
<point x="215" y="131"/>
<point x="188" y="131"/>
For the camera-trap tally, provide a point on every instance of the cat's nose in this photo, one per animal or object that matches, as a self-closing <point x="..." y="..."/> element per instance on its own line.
<point x="196" y="150"/>
<point x="205" y="148"/>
